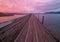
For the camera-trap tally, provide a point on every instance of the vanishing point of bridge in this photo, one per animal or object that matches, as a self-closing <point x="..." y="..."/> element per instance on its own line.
<point x="26" y="29"/>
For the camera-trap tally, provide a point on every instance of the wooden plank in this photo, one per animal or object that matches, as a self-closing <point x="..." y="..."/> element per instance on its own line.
<point x="11" y="31"/>
<point x="36" y="32"/>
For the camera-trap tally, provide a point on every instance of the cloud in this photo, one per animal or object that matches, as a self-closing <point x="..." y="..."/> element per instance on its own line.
<point x="28" y="5"/>
<point x="43" y="7"/>
<point x="13" y="6"/>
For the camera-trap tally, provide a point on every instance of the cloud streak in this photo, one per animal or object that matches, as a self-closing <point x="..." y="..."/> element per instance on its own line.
<point x="29" y="5"/>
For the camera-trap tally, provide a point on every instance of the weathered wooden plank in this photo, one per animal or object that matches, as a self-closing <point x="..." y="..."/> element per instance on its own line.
<point x="36" y="32"/>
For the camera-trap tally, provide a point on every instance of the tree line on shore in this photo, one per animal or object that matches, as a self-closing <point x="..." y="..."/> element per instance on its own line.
<point x="5" y="14"/>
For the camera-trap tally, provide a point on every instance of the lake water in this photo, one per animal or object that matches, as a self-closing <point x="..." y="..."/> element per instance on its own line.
<point x="8" y="19"/>
<point x="52" y="22"/>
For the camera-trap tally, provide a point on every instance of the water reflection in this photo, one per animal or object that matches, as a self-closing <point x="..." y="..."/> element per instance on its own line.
<point x="7" y="18"/>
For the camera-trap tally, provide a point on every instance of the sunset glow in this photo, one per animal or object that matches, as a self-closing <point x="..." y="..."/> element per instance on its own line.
<point x="28" y="5"/>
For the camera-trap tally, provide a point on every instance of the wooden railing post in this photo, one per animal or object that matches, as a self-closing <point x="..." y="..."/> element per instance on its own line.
<point x="42" y="19"/>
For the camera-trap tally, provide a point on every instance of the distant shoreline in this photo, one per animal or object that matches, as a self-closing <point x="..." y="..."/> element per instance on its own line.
<point x="6" y="15"/>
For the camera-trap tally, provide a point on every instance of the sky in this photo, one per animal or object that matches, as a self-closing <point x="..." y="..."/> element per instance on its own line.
<point x="29" y="5"/>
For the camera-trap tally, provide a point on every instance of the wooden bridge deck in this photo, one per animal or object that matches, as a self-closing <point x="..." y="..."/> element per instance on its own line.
<point x="26" y="29"/>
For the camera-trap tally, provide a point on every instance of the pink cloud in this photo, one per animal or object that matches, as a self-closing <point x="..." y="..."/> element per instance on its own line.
<point x="6" y="6"/>
<point x="27" y="5"/>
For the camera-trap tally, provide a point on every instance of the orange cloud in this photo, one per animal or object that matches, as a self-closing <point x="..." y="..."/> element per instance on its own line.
<point x="6" y="6"/>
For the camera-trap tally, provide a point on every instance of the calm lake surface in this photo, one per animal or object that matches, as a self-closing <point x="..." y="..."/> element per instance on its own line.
<point x="52" y="22"/>
<point x="5" y="20"/>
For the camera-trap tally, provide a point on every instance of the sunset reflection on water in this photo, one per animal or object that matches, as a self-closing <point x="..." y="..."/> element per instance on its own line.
<point x="7" y="18"/>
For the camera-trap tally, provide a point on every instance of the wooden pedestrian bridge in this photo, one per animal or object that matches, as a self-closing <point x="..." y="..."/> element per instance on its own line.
<point x="26" y="29"/>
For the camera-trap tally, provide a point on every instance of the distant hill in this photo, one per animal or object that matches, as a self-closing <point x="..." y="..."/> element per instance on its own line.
<point x="52" y="12"/>
<point x="5" y="14"/>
